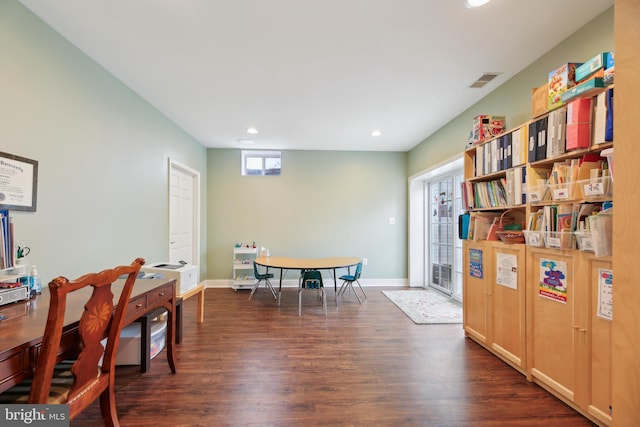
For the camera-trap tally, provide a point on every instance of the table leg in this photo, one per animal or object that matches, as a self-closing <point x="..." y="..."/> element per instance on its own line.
<point x="335" y="285"/>
<point x="179" y="321"/>
<point x="280" y="286"/>
<point x="201" y="306"/>
<point x="145" y="342"/>
<point x="171" y="339"/>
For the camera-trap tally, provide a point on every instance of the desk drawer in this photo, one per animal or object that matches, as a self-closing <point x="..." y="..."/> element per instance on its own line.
<point x="163" y="293"/>
<point x="136" y="307"/>
<point x="14" y="367"/>
<point x="70" y="347"/>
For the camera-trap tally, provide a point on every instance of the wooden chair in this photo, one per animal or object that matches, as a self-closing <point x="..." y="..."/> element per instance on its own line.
<point x="89" y="377"/>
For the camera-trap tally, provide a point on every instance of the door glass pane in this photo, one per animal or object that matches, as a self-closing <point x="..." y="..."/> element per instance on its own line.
<point x="457" y="243"/>
<point x="443" y="205"/>
<point x="441" y="227"/>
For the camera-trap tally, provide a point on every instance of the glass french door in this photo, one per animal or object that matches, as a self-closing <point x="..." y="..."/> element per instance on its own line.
<point x="444" y="262"/>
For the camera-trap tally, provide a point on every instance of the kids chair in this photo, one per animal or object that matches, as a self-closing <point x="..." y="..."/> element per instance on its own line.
<point x="312" y="279"/>
<point x="262" y="277"/>
<point x="348" y="282"/>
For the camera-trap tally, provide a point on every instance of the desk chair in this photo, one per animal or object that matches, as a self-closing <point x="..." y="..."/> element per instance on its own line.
<point x="79" y="382"/>
<point x="311" y="279"/>
<point x="348" y="283"/>
<point x="262" y="277"/>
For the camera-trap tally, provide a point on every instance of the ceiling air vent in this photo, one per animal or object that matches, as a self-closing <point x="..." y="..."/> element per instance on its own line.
<point x="484" y="79"/>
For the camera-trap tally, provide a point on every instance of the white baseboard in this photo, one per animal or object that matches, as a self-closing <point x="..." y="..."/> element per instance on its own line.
<point x="293" y="283"/>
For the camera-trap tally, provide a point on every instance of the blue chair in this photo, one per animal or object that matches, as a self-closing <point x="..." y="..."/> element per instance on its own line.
<point x="348" y="280"/>
<point x="262" y="277"/>
<point x="311" y="279"/>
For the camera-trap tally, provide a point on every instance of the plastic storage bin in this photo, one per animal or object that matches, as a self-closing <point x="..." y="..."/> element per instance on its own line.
<point x="561" y="192"/>
<point x="129" y="346"/>
<point x="537" y="192"/>
<point x="601" y="229"/>
<point x="597" y="188"/>
<point x="533" y="238"/>
<point x="559" y="239"/>
<point x="584" y="241"/>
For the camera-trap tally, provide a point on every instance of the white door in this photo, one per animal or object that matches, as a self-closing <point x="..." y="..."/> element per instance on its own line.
<point x="184" y="209"/>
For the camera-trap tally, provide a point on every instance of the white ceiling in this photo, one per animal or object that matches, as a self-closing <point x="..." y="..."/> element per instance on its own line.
<point x="313" y="74"/>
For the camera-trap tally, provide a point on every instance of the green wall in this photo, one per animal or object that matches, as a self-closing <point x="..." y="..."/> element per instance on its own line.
<point x="513" y="98"/>
<point x="102" y="151"/>
<point x="325" y="203"/>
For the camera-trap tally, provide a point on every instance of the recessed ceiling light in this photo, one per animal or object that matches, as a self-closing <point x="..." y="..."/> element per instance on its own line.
<point x="252" y="130"/>
<point x="376" y="132"/>
<point x="472" y="4"/>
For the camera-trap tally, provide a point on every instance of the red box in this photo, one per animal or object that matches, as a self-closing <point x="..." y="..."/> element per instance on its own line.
<point x="578" y="136"/>
<point x="579" y="110"/>
<point x="486" y="126"/>
<point x="579" y="116"/>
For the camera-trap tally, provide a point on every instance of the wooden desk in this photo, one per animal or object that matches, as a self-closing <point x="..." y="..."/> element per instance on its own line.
<point x="287" y="263"/>
<point x="21" y="333"/>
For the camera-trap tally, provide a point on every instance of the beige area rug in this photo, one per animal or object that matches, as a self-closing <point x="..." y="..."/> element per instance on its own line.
<point x="425" y="306"/>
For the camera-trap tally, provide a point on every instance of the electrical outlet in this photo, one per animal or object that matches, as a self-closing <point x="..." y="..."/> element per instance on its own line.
<point x="364" y="261"/>
<point x="392" y="220"/>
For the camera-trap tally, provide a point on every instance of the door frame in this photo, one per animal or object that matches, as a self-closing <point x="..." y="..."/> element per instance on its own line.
<point x="181" y="167"/>
<point x="417" y="242"/>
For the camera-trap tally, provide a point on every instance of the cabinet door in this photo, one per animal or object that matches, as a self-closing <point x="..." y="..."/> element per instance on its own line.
<point x="477" y="271"/>
<point x="508" y="304"/>
<point x="554" y="331"/>
<point x="599" y="276"/>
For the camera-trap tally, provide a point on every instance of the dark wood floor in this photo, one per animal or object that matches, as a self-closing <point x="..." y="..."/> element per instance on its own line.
<point x="254" y="364"/>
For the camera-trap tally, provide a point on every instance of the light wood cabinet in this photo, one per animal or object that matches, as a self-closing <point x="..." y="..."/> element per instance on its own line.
<point x="555" y="327"/>
<point x="569" y="342"/>
<point x="508" y="337"/>
<point x="475" y="293"/>
<point x="598" y="277"/>
<point x="494" y="295"/>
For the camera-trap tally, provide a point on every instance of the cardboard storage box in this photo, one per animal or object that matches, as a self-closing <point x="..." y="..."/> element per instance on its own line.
<point x="586" y="88"/>
<point x="539" y="100"/>
<point x="487" y="126"/>
<point x="592" y="66"/>
<point x="560" y="80"/>
<point x="609" y="69"/>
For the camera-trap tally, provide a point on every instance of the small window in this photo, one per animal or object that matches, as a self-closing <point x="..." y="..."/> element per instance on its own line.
<point x="261" y="163"/>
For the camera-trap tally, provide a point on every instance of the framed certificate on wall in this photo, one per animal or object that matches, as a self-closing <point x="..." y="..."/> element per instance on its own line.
<point x="18" y="183"/>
